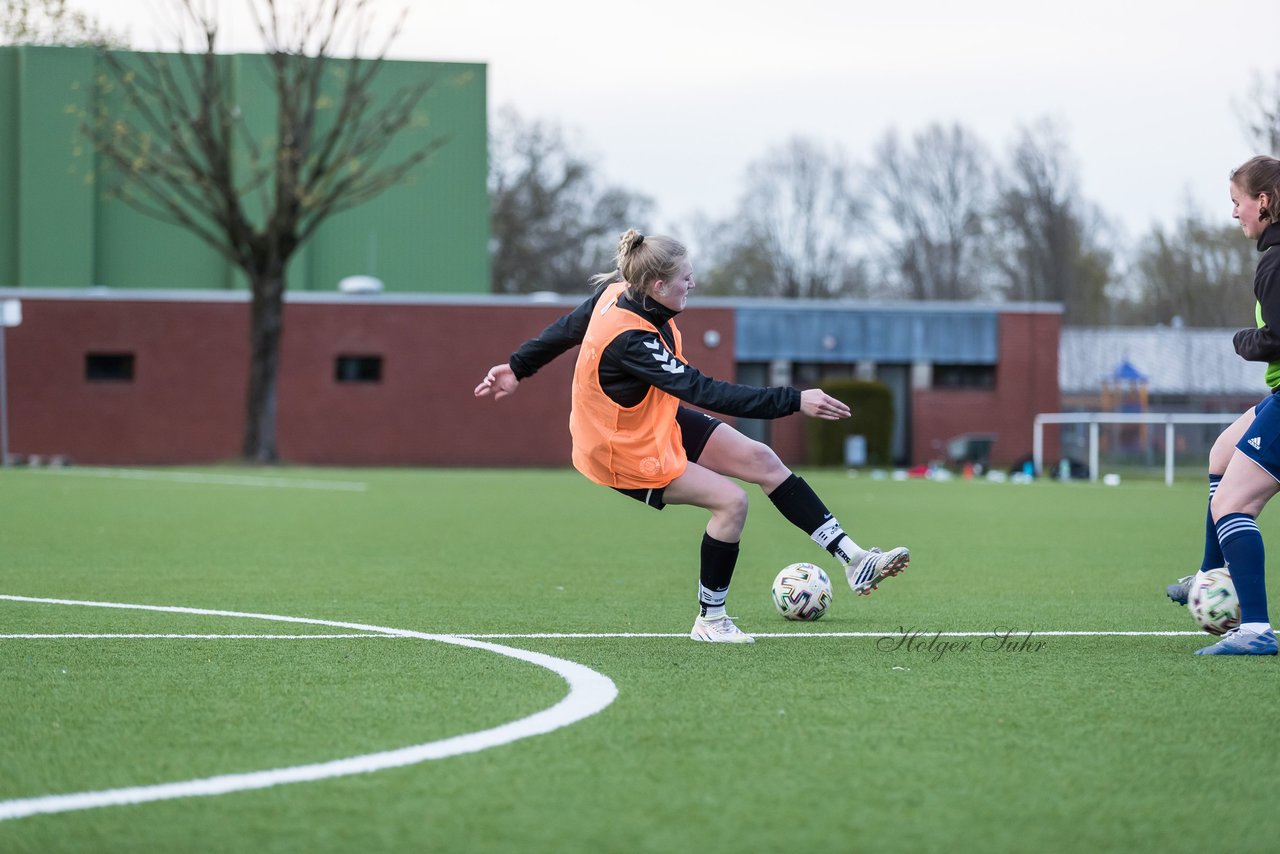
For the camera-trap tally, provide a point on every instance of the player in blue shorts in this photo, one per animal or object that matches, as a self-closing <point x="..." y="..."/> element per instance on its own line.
<point x="1252" y="472"/>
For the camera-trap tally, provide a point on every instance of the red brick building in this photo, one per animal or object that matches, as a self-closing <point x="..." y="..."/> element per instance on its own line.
<point x="131" y="377"/>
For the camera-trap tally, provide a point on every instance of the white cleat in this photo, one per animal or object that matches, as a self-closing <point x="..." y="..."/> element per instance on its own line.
<point x="876" y="567"/>
<point x="718" y="630"/>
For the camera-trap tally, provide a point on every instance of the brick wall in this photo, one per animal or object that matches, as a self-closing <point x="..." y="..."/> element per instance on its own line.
<point x="186" y="401"/>
<point x="1026" y="385"/>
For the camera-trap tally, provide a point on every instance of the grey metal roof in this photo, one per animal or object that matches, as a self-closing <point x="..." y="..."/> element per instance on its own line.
<point x="1174" y="361"/>
<point x="847" y="333"/>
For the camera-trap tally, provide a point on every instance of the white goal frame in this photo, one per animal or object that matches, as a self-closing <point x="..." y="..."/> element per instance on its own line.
<point x="1093" y="419"/>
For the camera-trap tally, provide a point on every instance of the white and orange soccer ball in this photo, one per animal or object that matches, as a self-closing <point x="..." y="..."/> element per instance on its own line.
<point x="802" y="591"/>
<point x="1212" y="601"/>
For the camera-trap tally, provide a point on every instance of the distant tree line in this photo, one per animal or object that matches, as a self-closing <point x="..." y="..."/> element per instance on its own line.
<point x="936" y="216"/>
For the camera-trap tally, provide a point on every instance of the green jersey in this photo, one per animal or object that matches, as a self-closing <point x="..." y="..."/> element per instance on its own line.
<point x="1272" y="376"/>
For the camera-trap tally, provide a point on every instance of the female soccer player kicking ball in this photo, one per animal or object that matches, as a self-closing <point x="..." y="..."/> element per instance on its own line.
<point x="630" y="431"/>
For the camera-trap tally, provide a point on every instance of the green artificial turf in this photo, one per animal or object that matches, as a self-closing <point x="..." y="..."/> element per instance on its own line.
<point x="1007" y="739"/>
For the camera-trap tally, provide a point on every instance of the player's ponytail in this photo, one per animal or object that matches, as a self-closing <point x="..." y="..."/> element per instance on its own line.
<point x="642" y="260"/>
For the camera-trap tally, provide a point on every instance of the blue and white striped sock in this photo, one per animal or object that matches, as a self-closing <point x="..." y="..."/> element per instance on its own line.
<point x="1244" y="552"/>
<point x="1212" y="549"/>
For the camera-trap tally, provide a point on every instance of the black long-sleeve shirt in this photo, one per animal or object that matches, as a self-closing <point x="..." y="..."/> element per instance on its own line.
<point x="631" y="364"/>
<point x="1262" y="344"/>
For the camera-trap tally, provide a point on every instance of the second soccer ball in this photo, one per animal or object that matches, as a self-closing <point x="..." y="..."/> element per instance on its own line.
<point x="1212" y="601"/>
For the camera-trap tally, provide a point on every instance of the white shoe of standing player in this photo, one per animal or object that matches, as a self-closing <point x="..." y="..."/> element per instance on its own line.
<point x="718" y="630"/>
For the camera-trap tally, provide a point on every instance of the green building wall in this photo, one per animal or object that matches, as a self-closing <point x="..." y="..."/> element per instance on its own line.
<point x="60" y="227"/>
<point x="8" y="166"/>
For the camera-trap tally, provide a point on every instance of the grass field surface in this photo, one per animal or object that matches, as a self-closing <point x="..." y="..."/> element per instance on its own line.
<point x="479" y="661"/>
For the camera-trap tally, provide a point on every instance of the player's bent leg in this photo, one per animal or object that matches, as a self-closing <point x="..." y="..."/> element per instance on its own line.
<point x="734" y="455"/>
<point x="1224" y="447"/>
<point x="702" y="487"/>
<point x="1246" y="487"/>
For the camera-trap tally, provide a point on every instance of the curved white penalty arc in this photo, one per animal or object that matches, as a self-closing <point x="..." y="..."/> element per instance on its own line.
<point x="589" y="692"/>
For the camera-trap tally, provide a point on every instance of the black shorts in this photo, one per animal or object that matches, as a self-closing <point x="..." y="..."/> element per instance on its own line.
<point x="695" y="429"/>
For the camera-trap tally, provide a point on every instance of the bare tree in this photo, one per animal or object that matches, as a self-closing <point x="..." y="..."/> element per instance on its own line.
<point x="1260" y="114"/>
<point x="1043" y="237"/>
<point x="1196" y="272"/>
<point x="799" y="230"/>
<point x="552" y="225"/>
<point x="183" y="152"/>
<point x="52" y="22"/>
<point x="935" y="200"/>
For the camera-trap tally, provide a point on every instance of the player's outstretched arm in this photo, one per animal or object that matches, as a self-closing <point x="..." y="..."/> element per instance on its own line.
<point x="816" y="403"/>
<point x="499" y="382"/>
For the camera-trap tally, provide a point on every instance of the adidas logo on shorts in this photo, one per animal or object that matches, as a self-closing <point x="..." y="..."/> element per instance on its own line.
<point x="1256" y="443"/>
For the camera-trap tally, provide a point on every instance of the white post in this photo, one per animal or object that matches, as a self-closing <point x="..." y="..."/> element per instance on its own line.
<point x="1093" y="451"/>
<point x="1170" y="420"/>
<point x="1037" y="445"/>
<point x="4" y="404"/>
<point x="10" y="315"/>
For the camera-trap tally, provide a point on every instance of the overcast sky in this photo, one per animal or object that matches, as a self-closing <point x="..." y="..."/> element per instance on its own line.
<point x="673" y="98"/>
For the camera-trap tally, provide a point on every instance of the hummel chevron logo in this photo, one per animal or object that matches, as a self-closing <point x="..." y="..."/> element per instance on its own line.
<point x="669" y="363"/>
<point x="1255" y="443"/>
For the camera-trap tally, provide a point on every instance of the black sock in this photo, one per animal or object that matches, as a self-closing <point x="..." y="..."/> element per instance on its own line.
<point x="718" y="561"/>
<point x="801" y="506"/>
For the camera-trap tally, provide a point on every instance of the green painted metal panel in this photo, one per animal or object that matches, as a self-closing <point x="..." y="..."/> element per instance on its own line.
<point x="429" y="233"/>
<point x="136" y="250"/>
<point x="9" y="120"/>
<point x="55" y="168"/>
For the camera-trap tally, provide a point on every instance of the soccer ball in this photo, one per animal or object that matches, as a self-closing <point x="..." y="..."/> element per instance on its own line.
<point x="1212" y="601"/>
<point x="802" y="591"/>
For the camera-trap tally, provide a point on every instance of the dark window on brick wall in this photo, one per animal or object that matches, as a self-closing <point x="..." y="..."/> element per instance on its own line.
<point x="358" y="369"/>
<point x="108" y="367"/>
<point x="964" y="376"/>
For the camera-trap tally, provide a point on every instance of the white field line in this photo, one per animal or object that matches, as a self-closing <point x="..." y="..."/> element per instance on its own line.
<point x="1017" y="633"/>
<point x="186" y="637"/>
<point x="208" y="479"/>
<point x="621" y="635"/>
<point x="553" y="635"/>
<point x="589" y="692"/>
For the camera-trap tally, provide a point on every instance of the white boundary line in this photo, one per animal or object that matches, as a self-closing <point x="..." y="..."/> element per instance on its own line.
<point x="911" y="633"/>
<point x="599" y="635"/>
<point x="589" y="693"/>
<point x="625" y="635"/>
<point x="209" y="479"/>
<point x="187" y="637"/>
